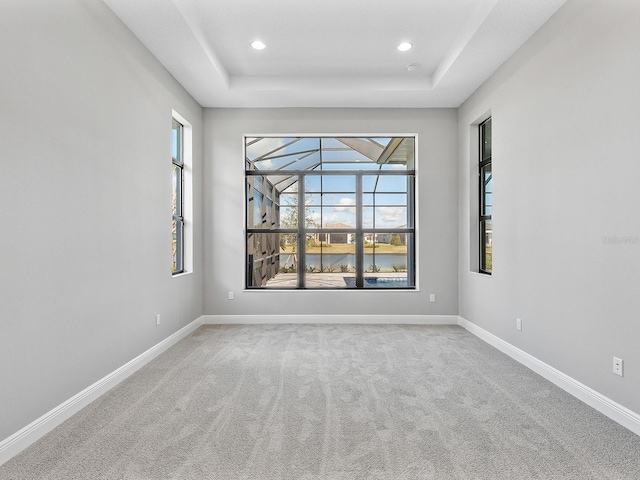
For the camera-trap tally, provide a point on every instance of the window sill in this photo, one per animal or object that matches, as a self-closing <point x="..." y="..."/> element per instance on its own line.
<point x="481" y="274"/>
<point x="183" y="274"/>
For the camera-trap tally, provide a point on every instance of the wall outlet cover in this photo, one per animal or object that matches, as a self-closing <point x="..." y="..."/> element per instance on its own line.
<point x="618" y="365"/>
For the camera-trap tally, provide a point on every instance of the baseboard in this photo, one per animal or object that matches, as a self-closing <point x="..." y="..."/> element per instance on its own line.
<point x="333" y="319"/>
<point x="20" y="440"/>
<point x="604" y="405"/>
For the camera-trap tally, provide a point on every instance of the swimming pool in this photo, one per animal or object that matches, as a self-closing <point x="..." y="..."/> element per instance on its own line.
<point x="378" y="282"/>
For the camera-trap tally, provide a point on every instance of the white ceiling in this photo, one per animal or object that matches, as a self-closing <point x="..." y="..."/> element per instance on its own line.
<point x="332" y="53"/>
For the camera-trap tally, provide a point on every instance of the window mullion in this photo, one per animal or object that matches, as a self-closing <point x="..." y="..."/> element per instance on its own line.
<point x="359" y="234"/>
<point x="411" y="260"/>
<point x="302" y="234"/>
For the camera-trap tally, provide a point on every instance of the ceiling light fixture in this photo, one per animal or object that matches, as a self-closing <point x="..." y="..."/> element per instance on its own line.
<point x="412" y="67"/>
<point x="258" y="45"/>
<point x="403" y="47"/>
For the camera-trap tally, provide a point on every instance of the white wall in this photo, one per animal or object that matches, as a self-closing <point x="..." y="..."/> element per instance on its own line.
<point x="85" y="125"/>
<point x="224" y="211"/>
<point x="566" y="212"/>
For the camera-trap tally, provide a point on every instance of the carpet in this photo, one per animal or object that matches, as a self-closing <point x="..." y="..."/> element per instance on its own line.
<point x="310" y="402"/>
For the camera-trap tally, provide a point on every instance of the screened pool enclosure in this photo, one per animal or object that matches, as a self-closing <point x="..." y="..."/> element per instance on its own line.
<point x="330" y="212"/>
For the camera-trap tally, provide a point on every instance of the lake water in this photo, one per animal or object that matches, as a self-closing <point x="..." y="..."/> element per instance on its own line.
<point x="385" y="261"/>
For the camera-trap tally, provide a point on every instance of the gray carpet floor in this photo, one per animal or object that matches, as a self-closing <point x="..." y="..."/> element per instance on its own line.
<point x="333" y="402"/>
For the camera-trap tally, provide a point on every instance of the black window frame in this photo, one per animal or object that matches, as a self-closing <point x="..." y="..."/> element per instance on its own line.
<point x="485" y="209"/>
<point x="358" y="232"/>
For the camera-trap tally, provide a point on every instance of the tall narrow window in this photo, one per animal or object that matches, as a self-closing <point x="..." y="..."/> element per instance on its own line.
<point x="330" y="212"/>
<point x="177" y="219"/>
<point x="486" y="192"/>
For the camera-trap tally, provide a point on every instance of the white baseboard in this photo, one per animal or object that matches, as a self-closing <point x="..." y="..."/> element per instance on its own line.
<point x="20" y="440"/>
<point x="604" y="405"/>
<point x="332" y="319"/>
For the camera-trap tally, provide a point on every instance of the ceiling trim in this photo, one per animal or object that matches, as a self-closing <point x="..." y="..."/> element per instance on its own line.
<point x="190" y="19"/>
<point x="325" y="83"/>
<point x="482" y="11"/>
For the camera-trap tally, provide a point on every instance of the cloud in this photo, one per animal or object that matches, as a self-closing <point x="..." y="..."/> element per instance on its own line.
<point x="266" y="165"/>
<point x="345" y="205"/>
<point x="332" y="219"/>
<point x="392" y="216"/>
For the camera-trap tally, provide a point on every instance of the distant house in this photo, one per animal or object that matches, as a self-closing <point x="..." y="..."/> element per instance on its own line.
<point x="335" y="238"/>
<point x="386" y="237"/>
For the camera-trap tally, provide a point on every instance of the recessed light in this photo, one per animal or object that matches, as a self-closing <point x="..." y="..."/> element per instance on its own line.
<point x="258" y="45"/>
<point x="412" y="67"/>
<point x="403" y="47"/>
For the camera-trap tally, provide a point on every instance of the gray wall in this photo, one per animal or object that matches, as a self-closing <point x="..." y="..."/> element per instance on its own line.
<point x="224" y="211"/>
<point x="85" y="200"/>
<point x="566" y="216"/>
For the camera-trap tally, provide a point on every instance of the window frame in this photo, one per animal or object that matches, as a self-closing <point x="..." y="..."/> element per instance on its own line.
<point x="357" y="233"/>
<point x="484" y="213"/>
<point x="178" y="183"/>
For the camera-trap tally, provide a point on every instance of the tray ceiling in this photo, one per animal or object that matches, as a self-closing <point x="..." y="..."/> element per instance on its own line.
<point x="334" y="53"/>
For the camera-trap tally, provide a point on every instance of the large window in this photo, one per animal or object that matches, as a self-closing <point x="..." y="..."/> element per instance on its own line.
<point x="177" y="219"/>
<point x="486" y="192"/>
<point x="330" y="212"/>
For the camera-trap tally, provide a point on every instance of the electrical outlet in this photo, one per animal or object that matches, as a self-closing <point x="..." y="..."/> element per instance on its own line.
<point x="519" y="323"/>
<point x="618" y="364"/>
<point x="230" y="294"/>
<point x="432" y="298"/>
<point x="158" y="319"/>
